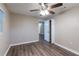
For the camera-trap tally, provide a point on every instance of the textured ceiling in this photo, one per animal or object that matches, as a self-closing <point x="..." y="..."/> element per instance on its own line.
<point x="23" y="8"/>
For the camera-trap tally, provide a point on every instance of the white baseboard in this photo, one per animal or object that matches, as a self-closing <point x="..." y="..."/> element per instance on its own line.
<point x="37" y="41"/>
<point x="18" y="44"/>
<point x="23" y="43"/>
<point x="71" y="50"/>
<point x="7" y="50"/>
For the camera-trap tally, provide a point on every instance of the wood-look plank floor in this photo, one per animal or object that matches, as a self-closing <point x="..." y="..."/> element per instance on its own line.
<point x="38" y="49"/>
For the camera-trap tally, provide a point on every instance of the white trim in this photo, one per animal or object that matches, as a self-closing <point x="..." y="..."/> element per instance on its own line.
<point x="18" y="44"/>
<point x="53" y="30"/>
<point x="23" y="43"/>
<point x="7" y="50"/>
<point x="73" y="51"/>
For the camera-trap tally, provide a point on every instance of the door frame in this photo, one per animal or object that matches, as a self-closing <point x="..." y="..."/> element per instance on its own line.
<point x="50" y="40"/>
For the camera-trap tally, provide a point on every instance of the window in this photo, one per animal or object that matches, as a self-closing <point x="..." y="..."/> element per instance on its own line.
<point x="1" y="20"/>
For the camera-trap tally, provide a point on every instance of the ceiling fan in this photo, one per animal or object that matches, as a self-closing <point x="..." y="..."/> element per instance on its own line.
<point x="45" y="7"/>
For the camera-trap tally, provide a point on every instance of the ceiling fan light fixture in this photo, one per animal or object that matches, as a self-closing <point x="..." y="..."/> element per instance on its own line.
<point x="44" y="12"/>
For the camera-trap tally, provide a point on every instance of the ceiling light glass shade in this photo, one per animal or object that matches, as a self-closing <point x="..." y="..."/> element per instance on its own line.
<point x="44" y="12"/>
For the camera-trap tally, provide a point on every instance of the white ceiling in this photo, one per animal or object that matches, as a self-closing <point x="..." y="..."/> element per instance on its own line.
<point x="23" y="8"/>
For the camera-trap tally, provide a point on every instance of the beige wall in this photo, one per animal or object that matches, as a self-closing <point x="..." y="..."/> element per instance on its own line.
<point x="23" y="29"/>
<point x="4" y="36"/>
<point x="67" y="29"/>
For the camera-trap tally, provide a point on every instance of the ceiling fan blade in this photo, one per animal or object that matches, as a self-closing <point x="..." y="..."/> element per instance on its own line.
<point x="40" y="3"/>
<point x="52" y="12"/>
<point x="56" y="5"/>
<point x="34" y="10"/>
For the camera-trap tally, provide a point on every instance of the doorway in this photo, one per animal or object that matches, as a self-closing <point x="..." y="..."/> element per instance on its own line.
<point x="41" y="30"/>
<point x="45" y="30"/>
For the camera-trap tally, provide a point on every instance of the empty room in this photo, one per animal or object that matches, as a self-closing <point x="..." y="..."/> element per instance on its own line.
<point x="39" y="29"/>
